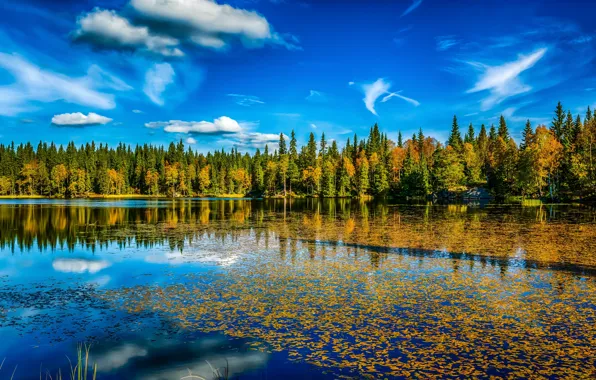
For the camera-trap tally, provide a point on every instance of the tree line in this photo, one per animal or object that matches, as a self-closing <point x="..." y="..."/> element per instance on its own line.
<point x="555" y="162"/>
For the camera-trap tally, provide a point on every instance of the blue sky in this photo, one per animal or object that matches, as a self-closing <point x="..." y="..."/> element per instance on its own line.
<point x="235" y="73"/>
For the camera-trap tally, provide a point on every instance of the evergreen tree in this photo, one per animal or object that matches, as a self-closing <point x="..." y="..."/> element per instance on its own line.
<point x="470" y="136"/>
<point x="282" y="145"/>
<point x="527" y="136"/>
<point x="558" y="121"/>
<point x="455" y="140"/>
<point x="503" y="130"/>
<point x="311" y="151"/>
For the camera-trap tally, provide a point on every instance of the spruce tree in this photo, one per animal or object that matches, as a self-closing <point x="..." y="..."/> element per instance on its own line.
<point x="293" y="146"/>
<point x="311" y="151"/>
<point x="527" y="136"/>
<point x="568" y="131"/>
<point x="399" y="140"/>
<point x="558" y="121"/>
<point x="455" y="140"/>
<point x="503" y="130"/>
<point x="282" y="145"/>
<point x="492" y="135"/>
<point x="577" y="128"/>
<point x="470" y="136"/>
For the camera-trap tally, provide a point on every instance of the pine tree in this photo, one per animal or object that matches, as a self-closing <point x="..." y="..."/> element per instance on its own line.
<point x="568" y="131"/>
<point x="282" y="145"/>
<point x="470" y="136"/>
<point x="482" y="145"/>
<point x="527" y="136"/>
<point x="455" y="140"/>
<point x="588" y="115"/>
<point x="399" y="140"/>
<point x="492" y="136"/>
<point x="503" y="130"/>
<point x="558" y="121"/>
<point x="311" y="151"/>
<point x="323" y="151"/>
<point x="577" y="128"/>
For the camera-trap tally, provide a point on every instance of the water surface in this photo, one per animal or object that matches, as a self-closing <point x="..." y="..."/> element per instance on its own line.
<point x="299" y="289"/>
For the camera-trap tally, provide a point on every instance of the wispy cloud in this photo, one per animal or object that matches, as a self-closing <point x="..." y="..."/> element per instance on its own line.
<point x="415" y="4"/>
<point x="582" y="40"/>
<point x="34" y="84"/>
<point x="156" y="80"/>
<point x="373" y="91"/>
<point x="316" y="97"/>
<point x="503" y="81"/>
<point x="445" y="43"/>
<point x="246" y="100"/>
<point x="396" y="94"/>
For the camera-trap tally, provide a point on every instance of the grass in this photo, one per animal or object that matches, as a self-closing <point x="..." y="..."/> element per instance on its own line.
<point x="217" y="374"/>
<point x="81" y="371"/>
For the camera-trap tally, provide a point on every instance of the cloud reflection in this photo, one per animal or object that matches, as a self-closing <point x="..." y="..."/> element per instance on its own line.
<point x="79" y="265"/>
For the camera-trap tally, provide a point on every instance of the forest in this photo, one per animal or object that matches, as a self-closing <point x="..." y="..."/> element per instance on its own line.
<point x="554" y="162"/>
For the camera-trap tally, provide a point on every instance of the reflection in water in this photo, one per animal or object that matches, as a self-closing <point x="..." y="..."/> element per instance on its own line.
<point x="553" y="235"/>
<point x="382" y="314"/>
<point x="354" y="288"/>
<point x="167" y="359"/>
<point x="79" y="265"/>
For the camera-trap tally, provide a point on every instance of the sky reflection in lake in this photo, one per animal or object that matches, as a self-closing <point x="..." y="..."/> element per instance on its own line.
<point x="314" y="289"/>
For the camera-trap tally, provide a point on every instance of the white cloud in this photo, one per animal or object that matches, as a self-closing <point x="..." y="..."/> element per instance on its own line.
<point x="413" y="102"/>
<point x="107" y="29"/>
<point x="118" y="357"/>
<point x="256" y="139"/>
<point x="316" y="96"/>
<point x="79" y="119"/>
<point x="415" y="4"/>
<point x="350" y="83"/>
<point x="584" y="39"/>
<point x="207" y="23"/>
<point x="220" y="125"/>
<point x="502" y="81"/>
<point x="191" y="141"/>
<point x="209" y="41"/>
<point x="104" y="79"/>
<point x="373" y="91"/>
<point x="157" y="79"/>
<point x="246" y="100"/>
<point x="137" y="111"/>
<point x="79" y="265"/>
<point x="34" y="84"/>
<point x="445" y="43"/>
<point x="313" y="126"/>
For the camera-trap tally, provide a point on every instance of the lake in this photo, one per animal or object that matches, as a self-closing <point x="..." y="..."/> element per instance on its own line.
<point x="299" y="289"/>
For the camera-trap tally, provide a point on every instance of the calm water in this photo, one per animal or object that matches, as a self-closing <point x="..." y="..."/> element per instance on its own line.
<point x="299" y="289"/>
